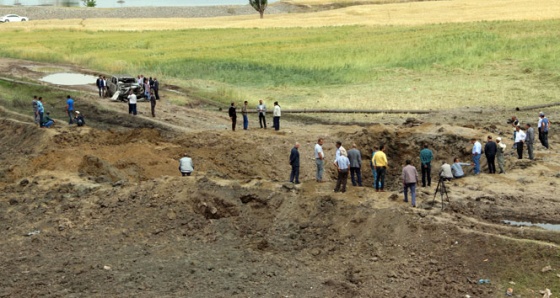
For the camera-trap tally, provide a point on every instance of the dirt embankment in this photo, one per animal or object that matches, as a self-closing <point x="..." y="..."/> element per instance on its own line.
<point x="112" y="210"/>
<point x="101" y="211"/>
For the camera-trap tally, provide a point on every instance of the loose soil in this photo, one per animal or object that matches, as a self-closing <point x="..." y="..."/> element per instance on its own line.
<point x="113" y="217"/>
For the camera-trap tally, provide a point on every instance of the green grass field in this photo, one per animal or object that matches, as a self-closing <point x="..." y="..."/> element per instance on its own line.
<point x="401" y="67"/>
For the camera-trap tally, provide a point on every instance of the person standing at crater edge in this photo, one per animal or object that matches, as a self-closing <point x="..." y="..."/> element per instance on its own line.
<point x="70" y="109"/>
<point x="261" y="109"/>
<point x="35" y="114"/>
<point x="319" y="160"/>
<point x="232" y="115"/>
<point x="294" y="162"/>
<point x="245" y="114"/>
<point x="476" y="151"/>
<point x="426" y="157"/>
<point x="355" y="157"/>
<point x="500" y="154"/>
<point x="276" y="116"/>
<point x="543" y="126"/>
<point x="490" y="150"/>
<point x="380" y="163"/>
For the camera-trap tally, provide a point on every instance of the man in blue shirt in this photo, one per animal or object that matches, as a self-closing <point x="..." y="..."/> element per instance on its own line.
<point x="343" y="164"/>
<point x="426" y="157"/>
<point x="543" y="127"/>
<point x="70" y="108"/>
<point x="457" y="169"/>
<point x="476" y="151"/>
<point x="40" y="111"/>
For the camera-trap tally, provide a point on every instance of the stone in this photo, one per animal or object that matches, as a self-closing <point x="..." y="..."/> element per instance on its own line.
<point x="546" y="269"/>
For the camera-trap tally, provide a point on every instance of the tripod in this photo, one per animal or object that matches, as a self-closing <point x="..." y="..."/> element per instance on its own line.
<point x="442" y="191"/>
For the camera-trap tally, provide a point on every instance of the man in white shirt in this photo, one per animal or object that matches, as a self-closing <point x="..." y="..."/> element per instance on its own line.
<point x="276" y="113"/>
<point x="476" y="151"/>
<point x="445" y="172"/>
<point x="186" y="166"/>
<point x="132" y="103"/>
<point x="519" y="140"/>
<point x="261" y="109"/>
<point x="319" y="160"/>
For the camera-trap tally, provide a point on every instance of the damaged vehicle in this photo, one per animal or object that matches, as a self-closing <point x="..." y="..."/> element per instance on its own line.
<point x="119" y="86"/>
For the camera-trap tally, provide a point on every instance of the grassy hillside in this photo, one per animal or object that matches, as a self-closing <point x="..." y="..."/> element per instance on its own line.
<point x="484" y="63"/>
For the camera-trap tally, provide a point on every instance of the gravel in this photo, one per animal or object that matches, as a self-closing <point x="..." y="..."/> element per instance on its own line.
<point x="53" y="12"/>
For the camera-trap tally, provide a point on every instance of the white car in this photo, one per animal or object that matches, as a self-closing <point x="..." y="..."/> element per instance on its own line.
<point x="13" y="18"/>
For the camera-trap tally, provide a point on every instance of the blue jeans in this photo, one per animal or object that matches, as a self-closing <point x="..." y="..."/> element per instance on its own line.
<point x="412" y="187"/>
<point x="380" y="179"/>
<point x="40" y="119"/>
<point x="320" y="169"/>
<point x="245" y="122"/>
<point x="70" y="116"/>
<point x="374" y="172"/>
<point x="476" y="161"/>
<point x="276" y="121"/>
<point x="48" y="124"/>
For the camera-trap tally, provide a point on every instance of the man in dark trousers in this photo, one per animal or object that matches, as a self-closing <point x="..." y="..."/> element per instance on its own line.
<point x="490" y="150"/>
<point x="426" y="157"/>
<point x="156" y="88"/>
<point x="530" y="140"/>
<point x="232" y="116"/>
<point x="543" y="126"/>
<point x="355" y="158"/>
<point x="294" y="162"/>
<point x="519" y="140"/>
<point x="100" y="86"/>
<point x="261" y="109"/>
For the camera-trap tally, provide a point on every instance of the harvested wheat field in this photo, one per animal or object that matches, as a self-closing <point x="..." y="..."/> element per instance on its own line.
<point x="408" y="13"/>
<point x="102" y="210"/>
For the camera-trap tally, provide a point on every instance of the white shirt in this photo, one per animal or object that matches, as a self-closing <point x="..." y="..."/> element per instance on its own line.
<point x="540" y="122"/>
<point x="520" y="136"/>
<point x="276" y="111"/>
<point x="186" y="165"/>
<point x="319" y="149"/>
<point x="446" y="171"/>
<point x="261" y="108"/>
<point x="477" y="148"/>
<point x="132" y="98"/>
<point x="337" y="154"/>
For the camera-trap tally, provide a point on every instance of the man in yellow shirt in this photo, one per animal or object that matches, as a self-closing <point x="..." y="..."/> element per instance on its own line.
<point x="380" y="164"/>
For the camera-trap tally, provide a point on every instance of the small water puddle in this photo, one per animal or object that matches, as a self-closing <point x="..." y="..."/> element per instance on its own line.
<point x="550" y="227"/>
<point x="69" y="79"/>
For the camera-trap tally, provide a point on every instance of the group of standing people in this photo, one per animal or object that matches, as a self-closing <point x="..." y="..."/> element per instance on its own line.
<point x="527" y="137"/>
<point x="261" y="110"/>
<point x="43" y="119"/>
<point x="150" y="85"/>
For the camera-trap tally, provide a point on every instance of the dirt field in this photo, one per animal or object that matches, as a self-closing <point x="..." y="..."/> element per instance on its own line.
<point x="113" y="218"/>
